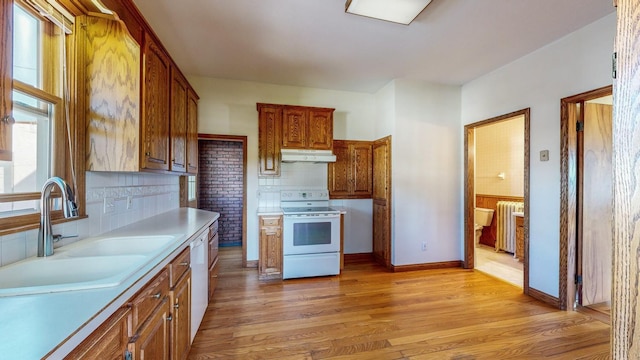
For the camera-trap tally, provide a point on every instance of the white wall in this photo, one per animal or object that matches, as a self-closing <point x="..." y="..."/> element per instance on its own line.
<point x="229" y="107"/>
<point x="426" y="173"/>
<point x="576" y="63"/>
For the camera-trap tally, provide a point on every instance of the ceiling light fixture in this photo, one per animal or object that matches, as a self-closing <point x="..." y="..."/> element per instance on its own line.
<point x="397" y="11"/>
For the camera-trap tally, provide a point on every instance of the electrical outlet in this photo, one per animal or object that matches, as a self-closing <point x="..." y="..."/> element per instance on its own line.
<point x="544" y="155"/>
<point x="129" y="202"/>
<point x="424" y="246"/>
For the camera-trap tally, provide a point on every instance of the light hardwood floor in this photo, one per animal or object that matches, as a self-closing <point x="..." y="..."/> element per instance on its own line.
<point x="368" y="313"/>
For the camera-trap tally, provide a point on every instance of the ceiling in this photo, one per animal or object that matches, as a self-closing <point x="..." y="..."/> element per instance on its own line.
<point x="314" y="43"/>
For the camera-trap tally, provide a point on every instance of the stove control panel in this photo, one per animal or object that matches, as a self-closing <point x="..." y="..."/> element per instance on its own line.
<point x="302" y="195"/>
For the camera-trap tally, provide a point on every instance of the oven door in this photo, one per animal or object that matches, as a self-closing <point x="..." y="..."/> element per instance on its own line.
<point x="311" y="234"/>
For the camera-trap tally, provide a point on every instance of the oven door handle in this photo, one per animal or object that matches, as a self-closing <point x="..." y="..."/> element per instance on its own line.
<point x="323" y="216"/>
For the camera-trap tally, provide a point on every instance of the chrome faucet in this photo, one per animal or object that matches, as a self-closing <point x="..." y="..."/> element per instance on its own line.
<point x="69" y="210"/>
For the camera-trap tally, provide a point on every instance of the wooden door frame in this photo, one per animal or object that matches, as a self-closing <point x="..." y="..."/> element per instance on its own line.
<point x="469" y="186"/>
<point x="243" y="140"/>
<point x="568" y="192"/>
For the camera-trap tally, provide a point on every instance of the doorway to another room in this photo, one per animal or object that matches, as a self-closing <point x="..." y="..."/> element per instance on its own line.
<point x="221" y="186"/>
<point x="586" y="201"/>
<point x="496" y="197"/>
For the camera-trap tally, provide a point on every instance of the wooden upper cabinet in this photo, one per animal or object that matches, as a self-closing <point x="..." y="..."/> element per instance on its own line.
<point x="192" y="132"/>
<point x="320" y="129"/>
<point x="294" y="127"/>
<point x="307" y="128"/>
<point x="351" y="176"/>
<point x="269" y="138"/>
<point x="6" y="60"/>
<point x="362" y="169"/>
<point x="179" y="89"/>
<point x="339" y="171"/>
<point x="155" y="106"/>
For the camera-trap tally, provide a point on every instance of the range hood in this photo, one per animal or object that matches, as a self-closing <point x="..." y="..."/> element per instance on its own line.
<point x="304" y="155"/>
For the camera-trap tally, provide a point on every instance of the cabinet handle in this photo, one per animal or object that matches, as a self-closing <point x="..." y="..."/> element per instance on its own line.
<point x="147" y="154"/>
<point x="157" y="296"/>
<point x="176" y="306"/>
<point x="215" y="276"/>
<point x="169" y="318"/>
<point x="184" y="264"/>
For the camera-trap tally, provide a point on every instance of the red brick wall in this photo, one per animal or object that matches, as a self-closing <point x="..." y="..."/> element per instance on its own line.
<point x="220" y="177"/>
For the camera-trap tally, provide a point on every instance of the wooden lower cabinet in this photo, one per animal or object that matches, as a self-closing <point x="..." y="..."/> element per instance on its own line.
<point x="520" y="238"/>
<point x="151" y="341"/>
<point x="108" y="342"/>
<point x="181" y="318"/>
<point x="270" y="260"/>
<point x="155" y="324"/>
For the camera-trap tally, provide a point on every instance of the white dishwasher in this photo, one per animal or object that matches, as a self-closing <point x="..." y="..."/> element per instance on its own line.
<point x="199" y="281"/>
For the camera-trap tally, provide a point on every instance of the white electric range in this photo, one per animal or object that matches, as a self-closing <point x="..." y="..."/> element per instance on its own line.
<point x="311" y="234"/>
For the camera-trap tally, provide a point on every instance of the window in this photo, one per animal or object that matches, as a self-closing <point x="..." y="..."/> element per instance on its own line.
<point x="36" y="144"/>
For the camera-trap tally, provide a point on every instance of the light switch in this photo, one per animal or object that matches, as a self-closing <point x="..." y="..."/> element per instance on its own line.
<point x="544" y="155"/>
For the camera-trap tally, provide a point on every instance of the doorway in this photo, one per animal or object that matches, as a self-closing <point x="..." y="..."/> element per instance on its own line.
<point x="221" y="186"/>
<point x="491" y="202"/>
<point x="586" y="200"/>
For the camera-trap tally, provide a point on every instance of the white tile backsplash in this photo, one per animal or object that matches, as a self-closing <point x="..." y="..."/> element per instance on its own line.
<point x="292" y="176"/>
<point x="151" y="195"/>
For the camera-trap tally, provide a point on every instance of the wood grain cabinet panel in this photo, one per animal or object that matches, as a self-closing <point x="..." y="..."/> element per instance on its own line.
<point x="351" y="176"/>
<point x="149" y="298"/>
<point x="320" y="129"/>
<point x="178" y="122"/>
<point x="291" y="127"/>
<point x="113" y="97"/>
<point x="181" y="318"/>
<point x="294" y="127"/>
<point x="192" y="132"/>
<point x="109" y="341"/>
<point x="152" y="340"/>
<point x="155" y="106"/>
<point x="269" y="139"/>
<point x="520" y="238"/>
<point x="270" y="259"/>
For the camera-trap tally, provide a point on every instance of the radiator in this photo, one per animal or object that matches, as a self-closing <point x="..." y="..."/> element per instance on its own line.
<point x="506" y="225"/>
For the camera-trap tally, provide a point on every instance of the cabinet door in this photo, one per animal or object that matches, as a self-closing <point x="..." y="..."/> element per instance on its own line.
<point x="155" y="107"/>
<point x="294" y="127"/>
<point x="269" y="134"/>
<point x="270" y="260"/>
<point x="362" y="173"/>
<point x="181" y="318"/>
<point x="270" y="253"/>
<point x="108" y="342"/>
<point x="320" y="129"/>
<point x="339" y="174"/>
<point x="152" y="341"/>
<point x="192" y="132"/>
<point x="178" y="122"/>
<point x="6" y="76"/>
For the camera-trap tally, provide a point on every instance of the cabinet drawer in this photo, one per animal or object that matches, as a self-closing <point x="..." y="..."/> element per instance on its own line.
<point x="269" y="221"/>
<point x="109" y="341"/>
<point x="213" y="278"/>
<point x="179" y="266"/>
<point x="150" y="297"/>
<point x="213" y="249"/>
<point x="213" y="229"/>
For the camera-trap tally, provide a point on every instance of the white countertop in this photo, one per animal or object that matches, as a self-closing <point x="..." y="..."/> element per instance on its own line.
<point x="269" y="211"/>
<point x="34" y="326"/>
